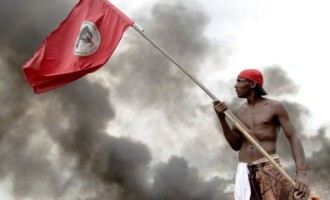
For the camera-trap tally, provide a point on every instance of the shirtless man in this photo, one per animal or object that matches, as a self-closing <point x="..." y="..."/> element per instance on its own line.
<point x="263" y="117"/>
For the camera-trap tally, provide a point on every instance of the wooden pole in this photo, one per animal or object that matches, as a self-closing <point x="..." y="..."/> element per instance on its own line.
<point x="230" y="115"/>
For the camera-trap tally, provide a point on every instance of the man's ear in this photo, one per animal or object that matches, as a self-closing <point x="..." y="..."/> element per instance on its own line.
<point x="253" y="84"/>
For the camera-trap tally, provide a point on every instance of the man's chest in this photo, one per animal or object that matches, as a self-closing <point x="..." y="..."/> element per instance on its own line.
<point x="257" y="117"/>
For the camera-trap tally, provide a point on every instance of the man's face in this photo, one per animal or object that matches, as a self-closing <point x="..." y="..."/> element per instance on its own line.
<point x="243" y="87"/>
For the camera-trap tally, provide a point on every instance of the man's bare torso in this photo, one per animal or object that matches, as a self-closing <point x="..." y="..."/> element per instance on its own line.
<point x="262" y="122"/>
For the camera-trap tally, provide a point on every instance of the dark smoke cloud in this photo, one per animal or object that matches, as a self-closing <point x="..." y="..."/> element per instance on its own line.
<point x="26" y="24"/>
<point x="278" y="83"/>
<point x="144" y="69"/>
<point x="151" y="82"/>
<point x="23" y="154"/>
<point x="177" y="180"/>
<point x="55" y="145"/>
<point x="319" y="160"/>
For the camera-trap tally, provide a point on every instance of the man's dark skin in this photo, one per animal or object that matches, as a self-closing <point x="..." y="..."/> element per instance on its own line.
<point x="263" y="117"/>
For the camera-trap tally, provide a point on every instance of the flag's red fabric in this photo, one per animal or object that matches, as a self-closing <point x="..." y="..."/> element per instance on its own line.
<point x="81" y="44"/>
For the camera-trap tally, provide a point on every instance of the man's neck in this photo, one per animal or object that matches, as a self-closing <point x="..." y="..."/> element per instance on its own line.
<point x="253" y="99"/>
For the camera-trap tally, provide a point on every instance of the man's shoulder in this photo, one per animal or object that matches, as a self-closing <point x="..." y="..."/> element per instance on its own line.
<point x="275" y="104"/>
<point x="272" y="101"/>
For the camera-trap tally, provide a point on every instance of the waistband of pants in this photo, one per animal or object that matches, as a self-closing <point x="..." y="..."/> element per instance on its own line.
<point x="265" y="159"/>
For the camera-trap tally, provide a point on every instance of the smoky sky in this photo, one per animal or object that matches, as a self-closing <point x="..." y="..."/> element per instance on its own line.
<point x="55" y="145"/>
<point x="143" y="71"/>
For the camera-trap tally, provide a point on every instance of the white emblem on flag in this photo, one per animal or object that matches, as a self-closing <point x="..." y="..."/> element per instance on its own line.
<point x="88" y="39"/>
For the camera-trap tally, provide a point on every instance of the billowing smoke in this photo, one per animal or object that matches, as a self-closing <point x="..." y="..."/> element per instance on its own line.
<point x="56" y="146"/>
<point x="318" y="161"/>
<point x="278" y="83"/>
<point x="181" y="35"/>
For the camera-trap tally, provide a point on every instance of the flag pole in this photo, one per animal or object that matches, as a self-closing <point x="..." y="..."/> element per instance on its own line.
<point x="228" y="113"/>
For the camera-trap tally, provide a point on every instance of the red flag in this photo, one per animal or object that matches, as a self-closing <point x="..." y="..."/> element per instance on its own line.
<point x="81" y="44"/>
